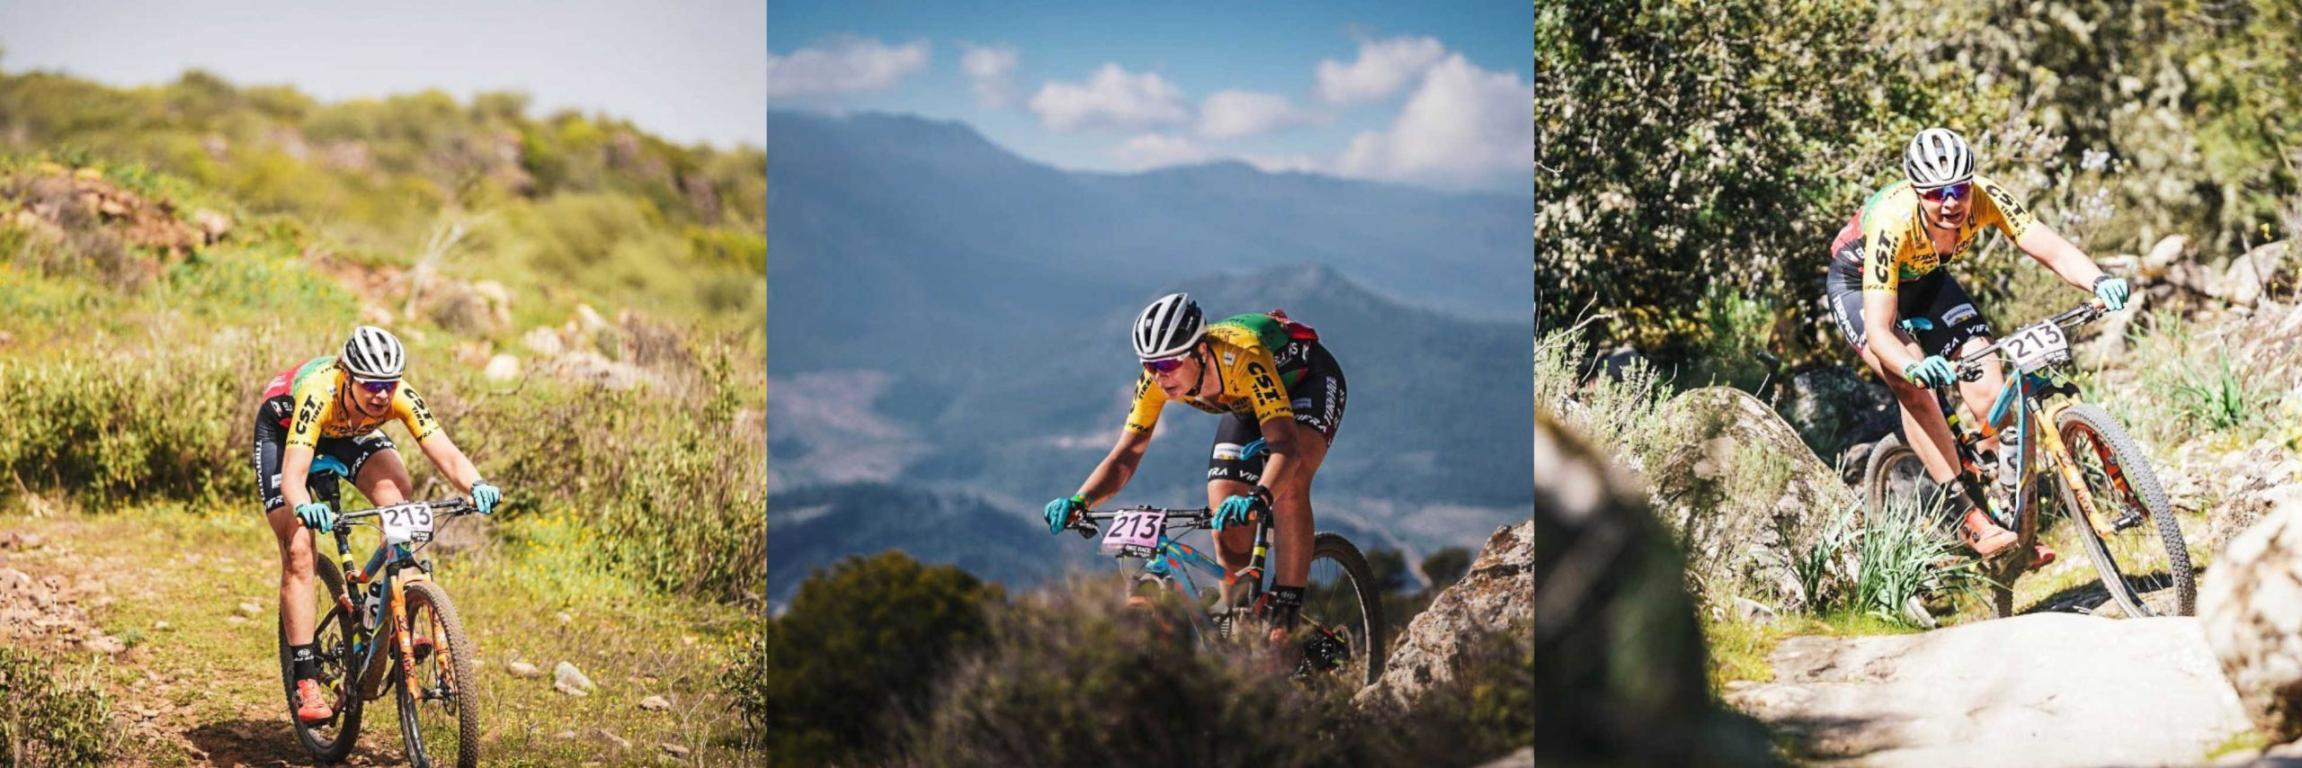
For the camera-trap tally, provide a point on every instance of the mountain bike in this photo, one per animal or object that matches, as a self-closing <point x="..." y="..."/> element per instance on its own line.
<point x="387" y="629"/>
<point x="2103" y="484"/>
<point x="1339" y="628"/>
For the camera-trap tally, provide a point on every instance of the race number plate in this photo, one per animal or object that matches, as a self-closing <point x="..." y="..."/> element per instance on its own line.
<point x="2038" y="346"/>
<point x="406" y="524"/>
<point x="1133" y="534"/>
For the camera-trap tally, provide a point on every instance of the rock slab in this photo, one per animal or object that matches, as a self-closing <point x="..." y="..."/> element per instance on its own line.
<point x="2038" y="690"/>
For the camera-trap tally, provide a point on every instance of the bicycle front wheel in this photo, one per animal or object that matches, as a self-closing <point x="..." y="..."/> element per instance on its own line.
<point x="440" y="716"/>
<point x="2139" y="549"/>
<point x="1342" y="616"/>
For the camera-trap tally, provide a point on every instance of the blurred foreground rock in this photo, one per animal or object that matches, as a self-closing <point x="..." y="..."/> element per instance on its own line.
<point x="1496" y="595"/>
<point x="1620" y="670"/>
<point x="2251" y="606"/>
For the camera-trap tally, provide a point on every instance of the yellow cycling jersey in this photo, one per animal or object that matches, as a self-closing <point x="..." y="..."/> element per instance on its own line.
<point x="1247" y="382"/>
<point x="319" y="414"/>
<point x="1895" y="244"/>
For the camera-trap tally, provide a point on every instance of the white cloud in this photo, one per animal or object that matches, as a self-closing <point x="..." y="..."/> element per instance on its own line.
<point x="1463" y="126"/>
<point x="1384" y="66"/>
<point x="1297" y="163"/>
<point x="991" y="69"/>
<point x="843" y="65"/>
<point x="1231" y="114"/>
<point x="1154" y="150"/>
<point x="1113" y="99"/>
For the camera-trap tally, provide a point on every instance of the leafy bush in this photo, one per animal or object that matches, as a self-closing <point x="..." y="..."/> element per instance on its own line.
<point x="1685" y="145"/>
<point x="46" y="721"/>
<point x="859" y="649"/>
<point x="1072" y="677"/>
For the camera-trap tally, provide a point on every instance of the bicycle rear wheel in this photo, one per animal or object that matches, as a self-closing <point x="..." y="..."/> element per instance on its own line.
<point x="2143" y="561"/>
<point x="332" y="636"/>
<point x="441" y="717"/>
<point x="1342" y="616"/>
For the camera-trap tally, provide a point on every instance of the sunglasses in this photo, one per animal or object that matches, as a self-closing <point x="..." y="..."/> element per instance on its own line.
<point x="1163" y="366"/>
<point x="1957" y="190"/>
<point x="376" y="386"/>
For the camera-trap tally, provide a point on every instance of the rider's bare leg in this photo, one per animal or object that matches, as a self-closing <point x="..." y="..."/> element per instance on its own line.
<point x="1922" y="422"/>
<point x="384" y="478"/>
<point x="1291" y="510"/>
<point x="1982" y="393"/>
<point x="295" y="573"/>
<point x="1230" y="545"/>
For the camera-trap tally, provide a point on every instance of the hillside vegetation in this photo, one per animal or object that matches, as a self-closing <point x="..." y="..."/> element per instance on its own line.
<point x="582" y="303"/>
<point x="1696" y="159"/>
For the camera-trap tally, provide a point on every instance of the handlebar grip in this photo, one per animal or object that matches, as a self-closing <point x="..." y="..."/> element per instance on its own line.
<point x="1086" y="529"/>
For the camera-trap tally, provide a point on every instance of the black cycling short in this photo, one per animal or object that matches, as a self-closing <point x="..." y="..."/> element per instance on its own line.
<point x="1317" y="400"/>
<point x="271" y="438"/>
<point x="1936" y="297"/>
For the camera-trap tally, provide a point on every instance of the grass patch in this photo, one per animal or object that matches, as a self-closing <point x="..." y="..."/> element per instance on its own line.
<point x="2248" y="741"/>
<point x="1739" y="650"/>
<point x="534" y="596"/>
<point x="52" y="712"/>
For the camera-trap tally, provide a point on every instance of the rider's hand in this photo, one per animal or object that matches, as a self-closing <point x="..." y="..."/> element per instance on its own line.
<point x="485" y="496"/>
<point x="316" y="515"/>
<point x="1241" y="509"/>
<point x="1059" y="511"/>
<point x="1932" y="372"/>
<point x="2112" y="292"/>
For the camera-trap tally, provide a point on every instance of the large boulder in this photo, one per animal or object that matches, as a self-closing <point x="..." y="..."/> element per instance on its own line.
<point x="1496" y="595"/>
<point x="1744" y="495"/>
<point x="2265" y="271"/>
<point x="1835" y="408"/>
<point x="2251" y="608"/>
<point x="1620" y="669"/>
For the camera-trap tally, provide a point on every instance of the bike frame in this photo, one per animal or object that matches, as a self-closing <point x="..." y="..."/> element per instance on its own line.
<point x="1171" y="557"/>
<point x="396" y="564"/>
<point x="2028" y="394"/>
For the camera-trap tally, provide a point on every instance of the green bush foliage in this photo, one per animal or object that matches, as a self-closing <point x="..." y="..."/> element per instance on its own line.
<point x="1716" y="147"/>
<point x="47" y="721"/>
<point x="859" y="649"/>
<point x="1685" y="145"/>
<point x="1073" y="677"/>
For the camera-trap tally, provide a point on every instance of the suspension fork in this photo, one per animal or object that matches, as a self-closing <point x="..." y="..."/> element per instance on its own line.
<point x="2065" y="466"/>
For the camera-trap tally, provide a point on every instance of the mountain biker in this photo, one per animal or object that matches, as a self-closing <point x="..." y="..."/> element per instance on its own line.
<point x="1886" y="266"/>
<point x="335" y="405"/>
<point x="1278" y="392"/>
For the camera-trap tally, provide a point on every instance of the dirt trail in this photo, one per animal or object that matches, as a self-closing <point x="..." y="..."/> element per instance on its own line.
<point x="2049" y="689"/>
<point x="51" y="583"/>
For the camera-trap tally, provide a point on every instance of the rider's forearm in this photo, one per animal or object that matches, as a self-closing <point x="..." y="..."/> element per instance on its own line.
<point x="1116" y="467"/>
<point x="451" y="460"/>
<point x="2060" y="256"/>
<point x="1106" y="480"/>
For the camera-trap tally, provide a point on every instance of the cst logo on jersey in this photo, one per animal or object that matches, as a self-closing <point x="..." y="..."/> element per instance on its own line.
<point x="308" y="414"/>
<point x="1266" y="388"/>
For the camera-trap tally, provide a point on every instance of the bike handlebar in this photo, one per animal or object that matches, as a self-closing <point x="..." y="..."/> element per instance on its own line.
<point x="1184" y="517"/>
<point x="1969" y="367"/>
<point x="450" y="507"/>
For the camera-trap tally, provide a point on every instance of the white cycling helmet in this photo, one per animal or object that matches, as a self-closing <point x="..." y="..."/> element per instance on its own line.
<point x="1168" y="328"/>
<point x="373" y="353"/>
<point x="1937" y="157"/>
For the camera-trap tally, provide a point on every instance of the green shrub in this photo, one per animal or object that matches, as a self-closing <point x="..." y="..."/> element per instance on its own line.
<point x="1071" y="676"/>
<point x="46" y="721"/>
<point x="860" y="648"/>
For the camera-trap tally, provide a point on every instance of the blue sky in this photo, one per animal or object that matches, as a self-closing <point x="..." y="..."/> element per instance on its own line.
<point x="691" y="71"/>
<point x="1436" y="94"/>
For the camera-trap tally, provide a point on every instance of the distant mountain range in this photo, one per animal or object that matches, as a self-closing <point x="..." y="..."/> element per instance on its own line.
<point x="947" y="322"/>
